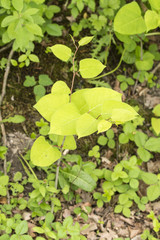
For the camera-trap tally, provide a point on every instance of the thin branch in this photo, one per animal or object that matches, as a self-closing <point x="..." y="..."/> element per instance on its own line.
<point x="57" y="171"/>
<point x="74" y="72"/>
<point x="6" y="47"/>
<point x="155" y="69"/>
<point x="106" y="74"/>
<point x="4" y="138"/>
<point x="5" y="78"/>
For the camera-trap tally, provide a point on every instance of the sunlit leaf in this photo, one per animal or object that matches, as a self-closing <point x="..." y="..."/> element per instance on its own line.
<point x="86" y="125"/>
<point x="69" y="142"/>
<point x="48" y="104"/>
<point x="151" y="19"/>
<point x="129" y="21"/>
<point x="63" y="121"/>
<point x="156" y="125"/>
<point x="60" y="87"/>
<point x="85" y="40"/>
<point x="119" y="112"/>
<point x="90" y="67"/>
<point x="43" y="154"/>
<point x="62" y="52"/>
<point x="103" y="126"/>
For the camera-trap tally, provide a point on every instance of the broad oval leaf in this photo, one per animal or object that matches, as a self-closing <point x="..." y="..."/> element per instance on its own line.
<point x="34" y="28"/>
<point x="153" y="192"/>
<point x="120" y="116"/>
<point x="80" y="178"/>
<point x="151" y="19"/>
<point x="7" y="20"/>
<point x="86" y="125"/>
<point x="149" y="178"/>
<point x="156" y="125"/>
<point x="119" y="112"/>
<point x="155" y="4"/>
<point x="103" y="126"/>
<point x="63" y="121"/>
<point x="60" y="87"/>
<point x="129" y="21"/>
<point x="153" y="144"/>
<point x="90" y="68"/>
<point x="156" y="110"/>
<point x="92" y="99"/>
<point x="43" y="154"/>
<point x="85" y="40"/>
<point x="48" y="104"/>
<point x="69" y="142"/>
<point x="62" y="52"/>
<point x="18" y="5"/>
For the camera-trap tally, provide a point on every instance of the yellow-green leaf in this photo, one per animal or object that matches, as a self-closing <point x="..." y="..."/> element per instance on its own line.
<point x="63" y="121"/>
<point x="103" y="126"/>
<point x="69" y="142"/>
<point x="43" y="154"/>
<point x="156" y="110"/>
<point x="151" y="19"/>
<point x="48" y="104"/>
<point x="129" y="21"/>
<point x="122" y="115"/>
<point x="118" y="111"/>
<point x="60" y="87"/>
<point x="85" y="41"/>
<point x="62" y="52"/>
<point x="90" y="68"/>
<point x="86" y="125"/>
<point x="156" y="125"/>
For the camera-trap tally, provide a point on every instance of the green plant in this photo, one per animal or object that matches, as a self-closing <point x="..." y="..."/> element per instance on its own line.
<point x="125" y="82"/>
<point x="156" y="227"/>
<point x="39" y="88"/>
<point x="155" y="122"/>
<point x="82" y="213"/>
<point x="109" y="139"/>
<point x="24" y="22"/>
<point x="57" y="230"/>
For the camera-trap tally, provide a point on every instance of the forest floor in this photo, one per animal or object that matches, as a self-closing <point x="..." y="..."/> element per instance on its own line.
<point x="103" y="222"/>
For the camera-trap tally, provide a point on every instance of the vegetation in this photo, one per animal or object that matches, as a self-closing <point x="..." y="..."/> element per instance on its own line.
<point x="87" y="143"/>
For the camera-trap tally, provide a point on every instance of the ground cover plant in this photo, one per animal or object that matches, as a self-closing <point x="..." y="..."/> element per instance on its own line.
<point x="87" y="165"/>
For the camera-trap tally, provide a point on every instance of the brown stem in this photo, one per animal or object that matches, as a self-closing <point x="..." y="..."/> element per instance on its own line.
<point x="74" y="72"/>
<point x="4" y="138"/>
<point x="57" y="172"/>
<point x="6" y="47"/>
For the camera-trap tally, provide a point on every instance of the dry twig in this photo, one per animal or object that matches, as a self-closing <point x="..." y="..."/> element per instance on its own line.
<point x="4" y="84"/>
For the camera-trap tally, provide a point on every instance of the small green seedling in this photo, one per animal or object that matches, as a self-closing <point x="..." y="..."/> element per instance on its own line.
<point x="108" y="140"/>
<point x="82" y="213"/>
<point x="125" y="82"/>
<point x="39" y="87"/>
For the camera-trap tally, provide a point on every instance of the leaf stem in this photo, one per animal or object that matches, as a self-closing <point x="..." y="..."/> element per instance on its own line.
<point x="106" y="74"/>
<point x="28" y="166"/>
<point x="74" y="72"/>
<point x="152" y="34"/>
<point x="57" y="172"/>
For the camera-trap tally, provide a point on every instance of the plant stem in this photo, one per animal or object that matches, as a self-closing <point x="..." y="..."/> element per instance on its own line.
<point x="106" y="74"/>
<point x="28" y="166"/>
<point x="74" y="72"/>
<point x="57" y="172"/>
<point x="152" y="34"/>
<point x="5" y="78"/>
